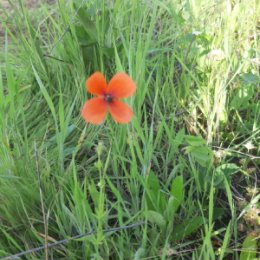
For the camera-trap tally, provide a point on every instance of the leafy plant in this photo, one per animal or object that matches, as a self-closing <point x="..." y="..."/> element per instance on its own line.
<point x="199" y="151"/>
<point x="163" y="208"/>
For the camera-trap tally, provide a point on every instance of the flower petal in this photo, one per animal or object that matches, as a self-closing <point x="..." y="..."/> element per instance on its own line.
<point x="121" y="86"/>
<point x="96" y="84"/>
<point x="94" y="111"/>
<point x="120" y="112"/>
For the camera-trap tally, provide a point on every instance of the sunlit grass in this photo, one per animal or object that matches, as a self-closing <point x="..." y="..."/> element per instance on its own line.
<point x="187" y="163"/>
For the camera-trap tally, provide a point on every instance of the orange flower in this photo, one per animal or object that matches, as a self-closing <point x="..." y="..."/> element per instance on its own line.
<point x="120" y="86"/>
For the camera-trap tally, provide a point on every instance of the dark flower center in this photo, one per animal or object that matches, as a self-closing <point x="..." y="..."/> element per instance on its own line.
<point x="108" y="98"/>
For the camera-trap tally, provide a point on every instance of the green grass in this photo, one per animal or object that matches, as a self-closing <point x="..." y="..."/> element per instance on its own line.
<point x="188" y="163"/>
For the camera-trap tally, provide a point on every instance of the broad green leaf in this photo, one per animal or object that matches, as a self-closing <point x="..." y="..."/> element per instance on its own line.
<point x="249" y="248"/>
<point x="242" y="97"/>
<point x="83" y="36"/>
<point x="178" y="139"/>
<point x="177" y="192"/>
<point x="156" y="218"/>
<point x="224" y="171"/>
<point x="88" y="24"/>
<point x="199" y="150"/>
<point x="195" y="140"/>
<point x="153" y="182"/>
<point x="139" y="254"/>
<point x="187" y="227"/>
<point x="170" y="209"/>
<point x="201" y="154"/>
<point x="156" y="200"/>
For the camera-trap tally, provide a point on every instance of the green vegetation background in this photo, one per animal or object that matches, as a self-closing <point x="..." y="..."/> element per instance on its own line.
<point x="187" y="165"/>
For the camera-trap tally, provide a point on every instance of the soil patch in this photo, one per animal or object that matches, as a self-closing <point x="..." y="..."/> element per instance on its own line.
<point x="30" y="4"/>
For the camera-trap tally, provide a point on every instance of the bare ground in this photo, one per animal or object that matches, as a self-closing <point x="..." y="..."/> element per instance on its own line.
<point x="30" y="4"/>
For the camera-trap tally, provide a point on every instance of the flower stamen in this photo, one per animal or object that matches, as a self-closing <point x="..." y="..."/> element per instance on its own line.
<point x="108" y="98"/>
